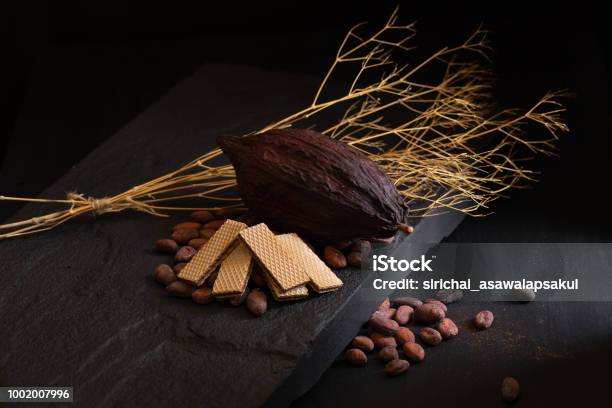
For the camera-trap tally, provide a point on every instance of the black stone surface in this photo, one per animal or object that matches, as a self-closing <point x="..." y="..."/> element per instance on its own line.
<point x="78" y="304"/>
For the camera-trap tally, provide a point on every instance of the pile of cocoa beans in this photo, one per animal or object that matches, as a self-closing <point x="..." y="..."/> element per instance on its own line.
<point x="186" y="238"/>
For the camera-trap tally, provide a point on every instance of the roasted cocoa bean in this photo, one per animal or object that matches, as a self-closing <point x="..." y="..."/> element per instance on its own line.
<point x="447" y="328"/>
<point x="385" y="314"/>
<point x="180" y="289"/>
<point x="167" y="246"/>
<point x="430" y="336"/>
<point x="429" y="313"/>
<point x="183" y="235"/>
<point x="483" y="319"/>
<point x="448" y="296"/>
<point x="381" y="341"/>
<point x="354" y="259"/>
<point x="523" y="295"/>
<point x="202" y="216"/>
<point x="229" y="212"/>
<point x="184" y="254"/>
<point x="187" y="225"/>
<point x="202" y="296"/>
<point x="363" y="343"/>
<point x="197" y="243"/>
<point x="404" y="335"/>
<point x="388" y="353"/>
<point x="257" y="302"/>
<point x="334" y="258"/>
<point x="438" y="303"/>
<point x="207" y="233"/>
<point x="343" y="245"/>
<point x="510" y="389"/>
<point x="257" y="280"/>
<point x="362" y="246"/>
<point x="216" y="224"/>
<point x="384" y="306"/>
<point x="179" y="267"/>
<point x="164" y="274"/>
<point x="414" y="352"/>
<point x="383" y="325"/>
<point x="403" y="314"/>
<point x="239" y="299"/>
<point x="408" y="301"/>
<point x="356" y="357"/>
<point x="396" y="367"/>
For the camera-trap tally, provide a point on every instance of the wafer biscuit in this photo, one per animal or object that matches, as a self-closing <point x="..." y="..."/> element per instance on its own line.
<point x="208" y="258"/>
<point x="234" y="272"/>
<point x="273" y="259"/>
<point x="300" y="292"/>
<point x="322" y="279"/>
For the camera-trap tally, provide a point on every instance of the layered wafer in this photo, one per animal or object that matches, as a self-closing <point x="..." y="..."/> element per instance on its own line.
<point x="210" y="256"/>
<point x="279" y="295"/>
<point x="234" y="272"/>
<point x="273" y="258"/>
<point x="322" y="279"/>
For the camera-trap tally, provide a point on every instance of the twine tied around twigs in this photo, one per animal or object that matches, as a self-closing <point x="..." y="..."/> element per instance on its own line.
<point x="98" y="205"/>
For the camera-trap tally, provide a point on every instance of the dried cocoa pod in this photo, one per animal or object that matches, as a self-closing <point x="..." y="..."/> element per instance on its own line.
<point x="381" y="341"/>
<point x="438" y="303"/>
<point x="447" y="328"/>
<point x="164" y="274"/>
<point x="430" y="336"/>
<point x="510" y="389"/>
<point x="383" y="325"/>
<point x="334" y="258"/>
<point x="356" y="357"/>
<point x="202" y="216"/>
<point x="396" y="367"/>
<point x="167" y="246"/>
<point x="183" y="235"/>
<point x="429" y="313"/>
<point x="408" y="301"/>
<point x="483" y="319"/>
<point x="202" y="296"/>
<point x="180" y="289"/>
<point x="257" y="302"/>
<point x="414" y="352"/>
<point x="300" y="181"/>
<point x="403" y="314"/>
<point x="187" y="225"/>
<point x="404" y="335"/>
<point x="184" y="254"/>
<point x="363" y="343"/>
<point x="388" y="353"/>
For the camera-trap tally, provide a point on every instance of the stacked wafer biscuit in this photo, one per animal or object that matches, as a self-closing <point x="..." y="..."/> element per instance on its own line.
<point x="289" y="265"/>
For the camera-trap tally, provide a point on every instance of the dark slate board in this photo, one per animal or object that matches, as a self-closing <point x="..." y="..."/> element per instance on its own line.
<point x="79" y="307"/>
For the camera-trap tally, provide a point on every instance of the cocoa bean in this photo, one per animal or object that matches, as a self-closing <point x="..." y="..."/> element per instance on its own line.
<point x="523" y="295"/>
<point x="187" y="225"/>
<point x="180" y="289"/>
<point x="384" y="306"/>
<point x="334" y="258"/>
<point x="202" y="296"/>
<point x="216" y="224"/>
<point x="403" y="314"/>
<point x="408" y="301"/>
<point x="183" y="235"/>
<point x="447" y="328"/>
<point x="167" y="246"/>
<point x="344" y="245"/>
<point x="381" y="341"/>
<point x="404" y="335"/>
<point x="239" y="299"/>
<point x="383" y="325"/>
<point x="438" y="303"/>
<point x="396" y="367"/>
<point x="385" y="314"/>
<point x="179" y="267"/>
<point x="429" y="313"/>
<point x="164" y="274"/>
<point x="388" y="353"/>
<point x="257" y="280"/>
<point x="354" y="259"/>
<point x="184" y="254"/>
<point x="229" y="212"/>
<point x="414" y="352"/>
<point x="257" y="302"/>
<point x="356" y="357"/>
<point x="448" y="296"/>
<point x="430" y="336"/>
<point x="202" y="216"/>
<point x="362" y="246"/>
<point x="207" y="233"/>
<point x="510" y="389"/>
<point x="197" y="243"/>
<point x="363" y="343"/>
<point x="483" y="319"/>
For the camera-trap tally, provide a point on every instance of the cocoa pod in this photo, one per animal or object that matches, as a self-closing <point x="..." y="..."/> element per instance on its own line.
<point x="300" y="181"/>
<point x="388" y="353"/>
<point x="414" y="352"/>
<point x="429" y="313"/>
<point x="180" y="289"/>
<point x="334" y="258"/>
<point x="396" y="367"/>
<point x="216" y="224"/>
<point x="404" y="335"/>
<point x="354" y="259"/>
<point x="408" y="301"/>
<point x="483" y="319"/>
<point x="167" y="246"/>
<point x="183" y="235"/>
<point x="207" y="233"/>
<point x="381" y="341"/>
<point x="448" y="296"/>
<point x="403" y="314"/>
<point x="430" y="336"/>
<point x="363" y="343"/>
<point x="164" y="274"/>
<point x="356" y="357"/>
<point x="447" y="328"/>
<point x="187" y="225"/>
<point x="202" y="296"/>
<point x="239" y="299"/>
<point x="510" y="389"/>
<point x="383" y="325"/>
<point x="257" y="302"/>
<point x="202" y="216"/>
<point x="438" y="303"/>
<point x="197" y="243"/>
<point x="184" y="254"/>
